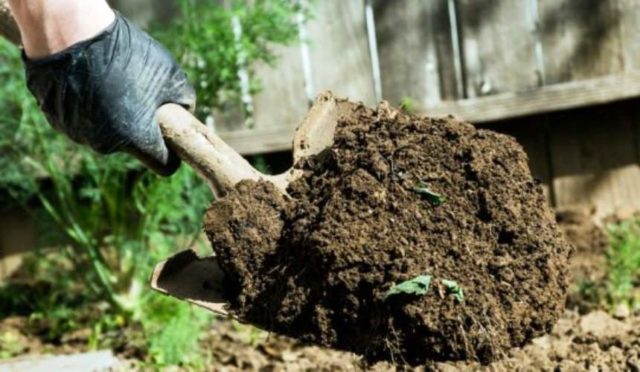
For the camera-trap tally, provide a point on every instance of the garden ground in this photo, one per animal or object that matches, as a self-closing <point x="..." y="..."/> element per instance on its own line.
<point x="591" y="335"/>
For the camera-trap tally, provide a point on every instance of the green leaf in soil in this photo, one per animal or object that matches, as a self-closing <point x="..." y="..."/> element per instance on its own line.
<point x="417" y="286"/>
<point x="453" y="288"/>
<point x="432" y="197"/>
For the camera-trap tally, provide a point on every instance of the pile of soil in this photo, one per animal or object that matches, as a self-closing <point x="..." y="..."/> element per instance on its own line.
<point x="396" y="197"/>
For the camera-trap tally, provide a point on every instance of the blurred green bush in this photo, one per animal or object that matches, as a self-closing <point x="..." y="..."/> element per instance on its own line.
<point x="213" y="55"/>
<point x="623" y="264"/>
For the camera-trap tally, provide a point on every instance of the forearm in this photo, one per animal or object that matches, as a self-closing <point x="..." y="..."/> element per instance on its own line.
<point x="50" y="26"/>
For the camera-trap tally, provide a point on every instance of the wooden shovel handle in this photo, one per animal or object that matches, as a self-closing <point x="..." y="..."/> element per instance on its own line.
<point x="192" y="141"/>
<point x="203" y="150"/>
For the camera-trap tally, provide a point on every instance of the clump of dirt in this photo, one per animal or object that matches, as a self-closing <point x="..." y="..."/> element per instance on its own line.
<point x="397" y="197"/>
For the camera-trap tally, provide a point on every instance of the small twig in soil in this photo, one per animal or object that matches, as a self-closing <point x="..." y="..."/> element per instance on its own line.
<point x="396" y="176"/>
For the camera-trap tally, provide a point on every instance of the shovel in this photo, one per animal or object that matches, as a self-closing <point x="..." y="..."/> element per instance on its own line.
<point x="199" y="280"/>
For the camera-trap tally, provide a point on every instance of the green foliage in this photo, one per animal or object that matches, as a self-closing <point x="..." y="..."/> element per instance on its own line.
<point x="204" y="43"/>
<point x="20" y="125"/>
<point x="589" y="291"/>
<point x="113" y="216"/>
<point x="173" y="331"/>
<point x="454" y="289"/>
<point x="623" y="263"/>
<point x="432" y="197"/>
<point x="417" y="286"/>
<point x="11" y="345"/>
<point x="259" y="162"/>
<point x="407" y="104"/>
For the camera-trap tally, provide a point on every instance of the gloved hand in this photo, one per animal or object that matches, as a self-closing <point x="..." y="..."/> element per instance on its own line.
<point x="104" y="93"/>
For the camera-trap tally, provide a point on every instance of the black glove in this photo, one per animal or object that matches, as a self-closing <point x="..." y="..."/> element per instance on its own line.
<point x="104" y="92"/>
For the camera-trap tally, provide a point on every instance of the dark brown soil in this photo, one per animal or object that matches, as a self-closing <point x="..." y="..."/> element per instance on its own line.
<point x="592" y="342"/>
<point x="317" y="266"/>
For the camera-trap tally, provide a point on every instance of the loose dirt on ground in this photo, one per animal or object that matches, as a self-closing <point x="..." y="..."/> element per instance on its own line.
<point x="592" y="342"/>
<point x="397" y="197"/>
<point x="595" y="341"/>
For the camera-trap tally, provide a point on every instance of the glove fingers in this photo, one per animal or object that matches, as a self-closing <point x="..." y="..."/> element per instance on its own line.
<point x="180" y="92"/>
<point x="153" y="152"/>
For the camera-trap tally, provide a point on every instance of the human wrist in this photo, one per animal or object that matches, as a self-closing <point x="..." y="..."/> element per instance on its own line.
<point x="51" y="26"/>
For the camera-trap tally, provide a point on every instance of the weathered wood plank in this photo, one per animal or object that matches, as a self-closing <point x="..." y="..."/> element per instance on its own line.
<point x="547" y="99"/>
<point x="340" y="62"/>
<point x="630" y="32"/>
<point x="580" y="39"/>
<point x="595" y="158"/>
<point x="478" y="110"/>
<point x="339" y="50"/>
<point x="592" y="150"/>
<point x="415" y="51"/>
<point x="282" y="102"/>
<point x="261" y="140"/>
<point x="499" y="47"/>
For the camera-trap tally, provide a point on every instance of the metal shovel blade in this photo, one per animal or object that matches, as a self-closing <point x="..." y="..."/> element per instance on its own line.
<point x="193" y="279"/>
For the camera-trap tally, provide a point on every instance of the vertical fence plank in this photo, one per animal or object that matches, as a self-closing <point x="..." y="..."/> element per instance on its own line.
<point x="581" y="39"/>
<point x="282" y="100"/>
<point x="415" y="51"/>
<point x="593" y="154"/>
<point x="595" y="158"/>
<point x="629" y="13"/>
<point x="339" y="50"/>
<point x="340" y="62"/>
<point x="499" y="46"/>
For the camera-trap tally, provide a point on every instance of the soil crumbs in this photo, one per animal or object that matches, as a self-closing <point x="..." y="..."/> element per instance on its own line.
<point x="593" y="342"/>
<point x="395" y="198"/>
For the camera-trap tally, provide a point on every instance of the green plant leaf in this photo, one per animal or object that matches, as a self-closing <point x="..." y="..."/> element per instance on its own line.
<point x="432" y="197"/>
<point x="417" y="286"/>
<point x="454" y="289"/>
